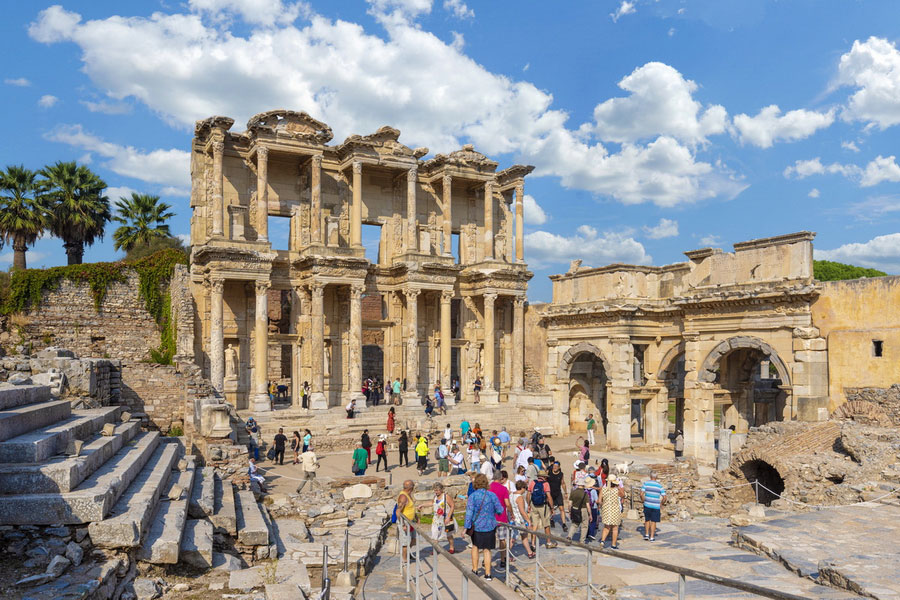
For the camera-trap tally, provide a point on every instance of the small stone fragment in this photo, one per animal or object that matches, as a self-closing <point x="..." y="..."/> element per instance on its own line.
<point x="108" y="429"/>
<point x="58" y="566"/>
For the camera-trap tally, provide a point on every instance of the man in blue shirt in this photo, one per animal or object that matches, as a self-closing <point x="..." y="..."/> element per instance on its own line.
<point x="653" y="495"/>
<point x="464" y="428"/>
<point x="505" y="440"/>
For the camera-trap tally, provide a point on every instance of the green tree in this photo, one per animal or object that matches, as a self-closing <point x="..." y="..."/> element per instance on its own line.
<point x="826" y="270"/>
<point x="23" y="212"/>
<point x="78" y="209"/>
<point x="155" y="245"/>
<point x="143" y="218"/>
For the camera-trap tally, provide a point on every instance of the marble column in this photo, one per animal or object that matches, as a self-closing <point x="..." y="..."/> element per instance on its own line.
<point x="262" y="194"/>
<point x="412" y="342"/>
<point x="520" y="223"/>
<point x="446" y="340"/>
<point x="518" y="349"/>
<point x="448" y="216"/>
<point x="356" y="207"/>
<point x="317" y="347"/>
<point x="218" y="206"/>
<point x="217" y="335"/>
<point x="488" y="220"/>
<point x="261" y="401"/>
<point x="315" y="208"/>
<point x="490" y="342"/>
<point x="412" y="232"/>
<point x="355" y="342"/>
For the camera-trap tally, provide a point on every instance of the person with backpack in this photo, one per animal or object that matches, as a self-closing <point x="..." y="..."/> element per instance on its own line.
<point x="360" y="460"/>
<point x="520" y="515"/>
<point x="458" y="460"/>
<point x="366" y="442"/>
<point x="442" y="454"/>
<point x="579" y="509"/>
<point x="541" y="503"/>
<point x="381" y="453"/>
<point x="403" y="448"/>
<point x="556" y="479"/>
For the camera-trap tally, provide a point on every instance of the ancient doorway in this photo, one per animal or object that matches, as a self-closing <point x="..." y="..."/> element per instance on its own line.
<point x="770" y="482"/>
<point x="373" y="340"/>
<point x="587" y="392"/>
<point x="672" y="374"/>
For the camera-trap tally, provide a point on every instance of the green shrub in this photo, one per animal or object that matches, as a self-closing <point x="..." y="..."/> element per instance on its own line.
<point x="826" y="270"/>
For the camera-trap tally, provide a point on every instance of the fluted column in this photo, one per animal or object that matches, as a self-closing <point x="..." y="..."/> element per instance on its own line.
<point x="518" y="357"/>
<point x="448" y="216"/>
<point x="218" y="206"/>
<point x="261" y="349"/>
<point x="317" y="346"/>
<point x="412" y="233"/>
<point x="412" y="341"/>
<point x="489" y="340"/>
<point x="355" y="340"/>
<point x="217" y="335"/>
<point x="356" y="207"/>
<point x="262" y="194"/>
<point x="315" y="209"/>
<point x="520" y="223"/>
<point x="488" y="220"/>
<point x="446" y="340"/>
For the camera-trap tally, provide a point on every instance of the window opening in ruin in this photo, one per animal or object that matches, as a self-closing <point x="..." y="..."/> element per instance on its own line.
<point x="279" y="232"/>
<point x="285" y="361"/>
<point x="456" y="254"/>
<point x="878" y="348"/>
<point x="371" y="240"/>
<point x="279" y="305"/>
<point x="454" y="364"/>
<point x="771" y="484"/>
<point x="639" y="378"/>
<point x="455" y="307"/>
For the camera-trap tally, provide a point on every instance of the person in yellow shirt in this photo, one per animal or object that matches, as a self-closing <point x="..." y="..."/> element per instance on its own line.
<point x="421" y="455"/>
<point x="406" y="508"/>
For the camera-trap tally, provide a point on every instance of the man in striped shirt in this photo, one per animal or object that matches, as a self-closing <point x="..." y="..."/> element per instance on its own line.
<point x="653" y="495"/>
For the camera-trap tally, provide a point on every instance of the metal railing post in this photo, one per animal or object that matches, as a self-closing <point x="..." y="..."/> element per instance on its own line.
<point x="537" y="568"/>
<point x="590" y="564"/>
<point x="434" y="570"/>
<point x="756" y="489"/>
<point x="509" y="542"/>
<point x="465" y="590"/>
<point x="326" y="582"/>
<point x="418" y="571"/>
<point x="346" y="550"/>
<point x="408" y="553"/>
<point x="682" y="584"/>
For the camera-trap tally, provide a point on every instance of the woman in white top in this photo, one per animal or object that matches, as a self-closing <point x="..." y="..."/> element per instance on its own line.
<point x="486" y="468"/>
<point x="448" y="433"/>
<point x="520" y="474"/>
<point x="520" y="514"/>
<point x="457" y="460"/>
<point x="442" y="523"/>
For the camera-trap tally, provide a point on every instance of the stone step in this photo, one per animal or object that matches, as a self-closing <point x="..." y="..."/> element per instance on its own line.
<point x="127" y="523"/>
<point x="92" y="500"/>
<point x="41" y="444"/>
<point x="22" y="419"/>
<point x="224" y="518"/>
<point x="163" y="542"/>
<point x="64" y="474"/>
<point x="252" y="529"/>
<point x="12" y="396"/>
<point x="203" y="495"/>
<point x="197" y="544"/>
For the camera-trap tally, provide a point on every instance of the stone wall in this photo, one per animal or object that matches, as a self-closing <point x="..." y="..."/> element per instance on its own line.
<point x="156" y="390"/>
<point x="884" y="402"/>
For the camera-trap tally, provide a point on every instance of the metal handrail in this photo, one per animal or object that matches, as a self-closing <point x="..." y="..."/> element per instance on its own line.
<point x="681" y="571"/>
<point x="457" y="564"/>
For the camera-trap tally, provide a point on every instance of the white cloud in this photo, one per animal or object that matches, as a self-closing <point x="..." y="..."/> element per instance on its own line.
<point x="802" y="169"/>
<point x="185" y="238"/>
<point x="534" y="214"/>
<point x="875" y="208"/>
<point x="671" y="31"/>
<point x="258" y="12"/>
<point x="882" y="252"/>
<point x="107" y="108"/>
<point x="814" y="193"/>
<point x="879" y="170"/>
<point x="665" y="228"/>
<point x="31" y="257"/>
<point x="459" y="9"/>
<point x="770" y="125"/>
<point x="711" y="240"/>
<point x="625" y="8"/>
<point x="47" y="101"/>
<point x="851" y="145"/>
<point x="170" y="166"/>
<point x="117" y="192"/>
<point x="184" y="69"/>
<point x="18" y="82"/>
<point x="543" y="248"/>
<point x="661" y="103"/>
<point x="873" y="67"/>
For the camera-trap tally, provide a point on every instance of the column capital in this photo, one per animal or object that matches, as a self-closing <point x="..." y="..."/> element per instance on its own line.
<point x="620" y="338"/>
<point x="690" y="336"/>
<point x="357" y="290"/>
<point x="262" y="286"/>
<point x="357" y="166"/>
<point x="446" y="297"/>
<point x="489" y="186"/>
<point x="317" y="160"/>
<point x="520" y="192"/>
<point x="412" y="175"/>
<point x="216" y="284"/>
<point x="317" y="290"/>
<point x="412" y="293"/>
<point x="447" y="180"/>
<point x="519" y="301"/>
<point x="218" y="147"/>
<point x="262" y="153"/>
<point x="490" y="297"/>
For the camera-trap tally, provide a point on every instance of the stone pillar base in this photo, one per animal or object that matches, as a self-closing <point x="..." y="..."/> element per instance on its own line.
<point x="411" y="398"/>
<point x="318" y="401"/>
<point x="261" y="406"/>
<point x="450" y="399"/>
<point x="490" y="397"/>
<point x="360" y="401"/>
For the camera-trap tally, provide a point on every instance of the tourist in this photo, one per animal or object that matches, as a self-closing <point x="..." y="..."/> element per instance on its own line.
<point x="542" y="452"/>
<point x="591" y="423"/>
<point x="271" y="389"/>
<point x="403" y="447"/>
<point x="505" y="480"/>
<point x="555" y="477"/>
<point x="360" y="460"/>
<point x="448" y="433"/>
<point x="309" y="464"/>
<point x="381" y="453"/>
<point x="365" y="391"/>
<point x="541" y="503"/>
<point x="532" y="470"/>
<point x="520" y="474"/>
<point x="253" y="444"/>
<point x="442" y="524"/>
<point x="579" y="473"/>
<point x="280" y="441"/>
<point x="390" y="420"/>
<point x="584" y="454"/>
<point x="524" y="454"/>
<point x="307" y="439"/>
<point x="457" y="460"/>
<point x="611" y="511"/>
<point x="485" y="467"/>
<point x="496" y="451"/>
<point x="366" y="442"/>
<point x="474" y="457"/>
<point x="478" y="435"/>
<point x="421" y="455"/>
<point x="498" y="487"/>
<point x="429" y="406"/>
<point x="443" y="459"/>
<point x="593" y="507"/>
<point x="406" y="508"/>
<point x="253" y="472"/>
<point x="471" y="488"/>
<point x="476" y="390"/>
<point x="395" y="391"/>
<point x="296" y="445"/>
<point x="520" y="515"/>
<point x="304" y="395"/>
<point x="505" y="439"/>
<point x="579" y="508"/>
<point x="351" y="407"/>
<point x="679" y="444"/>
<point x="464" y="428"/>
<point x="604" y="471"/>
<point x="653" y="496"/>
<point x="439" y="403"/>
<point x="482" y="509"/>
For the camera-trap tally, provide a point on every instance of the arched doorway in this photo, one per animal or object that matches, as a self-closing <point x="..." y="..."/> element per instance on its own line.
<point x="584" y="368"/>
<point x="671" y="374"/>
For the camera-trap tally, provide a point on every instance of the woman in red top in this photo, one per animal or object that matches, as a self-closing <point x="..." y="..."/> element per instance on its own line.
<point x="381" y="452"/>
<point x="390" y="422"/>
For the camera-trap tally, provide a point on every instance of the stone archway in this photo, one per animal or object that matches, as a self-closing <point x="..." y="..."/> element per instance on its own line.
<point x="585" y="371"/>
<point x="863" y="411"/>
<point x="565" y="365"/>
<point x="580" y="406"/>
<point x="707" y="372"/>
<point x="671" y="373"/>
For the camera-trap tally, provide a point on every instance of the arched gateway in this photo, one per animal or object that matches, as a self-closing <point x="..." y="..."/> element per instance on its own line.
<point x="585" y="370"/>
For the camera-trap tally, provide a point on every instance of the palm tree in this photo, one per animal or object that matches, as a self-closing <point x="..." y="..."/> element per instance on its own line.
<point x="143" y="219"/>
<point x="78" y="209"/>
<point x="23" y="214"/>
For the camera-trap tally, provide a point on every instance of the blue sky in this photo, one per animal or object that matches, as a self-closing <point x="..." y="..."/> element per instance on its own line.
<point x="656" y="126"/>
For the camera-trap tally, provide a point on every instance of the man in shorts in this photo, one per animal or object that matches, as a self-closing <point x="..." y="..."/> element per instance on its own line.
<point x="541" y="506"/>
<point x="443" y="459"/>
<point x="653" y="495"/>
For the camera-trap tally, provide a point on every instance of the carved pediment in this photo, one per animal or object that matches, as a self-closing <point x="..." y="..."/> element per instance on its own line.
<point x="466" y="156"/>
<point x="385" y="142"/>
<point x="203" y="127"/>
<point x="291" y="123"/>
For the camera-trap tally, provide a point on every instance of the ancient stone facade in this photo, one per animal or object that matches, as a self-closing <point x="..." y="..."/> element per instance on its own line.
<point x="452" y="307"/>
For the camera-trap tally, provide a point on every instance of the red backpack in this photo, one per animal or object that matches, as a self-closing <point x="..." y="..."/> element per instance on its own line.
<point x="379" y="448"/>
